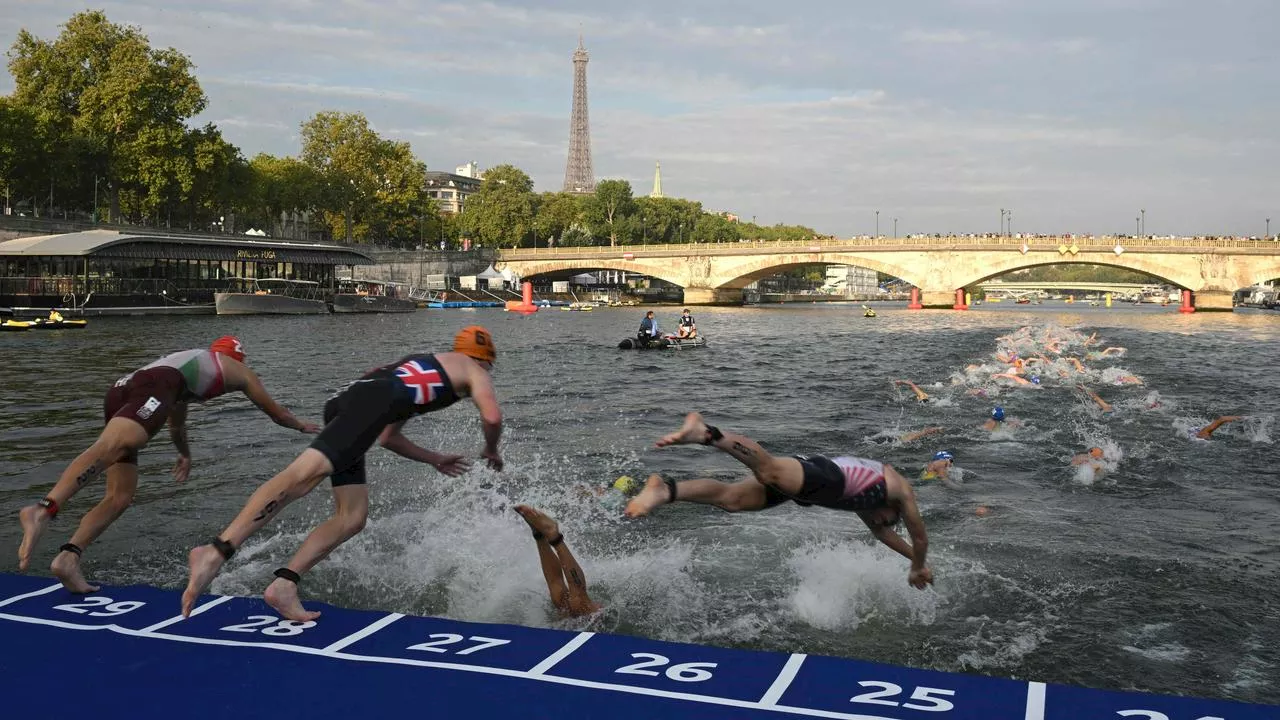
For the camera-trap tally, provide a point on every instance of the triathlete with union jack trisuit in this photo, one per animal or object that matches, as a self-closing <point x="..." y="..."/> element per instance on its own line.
<point x="877" y="493"/>
<point x="375" y="407"/>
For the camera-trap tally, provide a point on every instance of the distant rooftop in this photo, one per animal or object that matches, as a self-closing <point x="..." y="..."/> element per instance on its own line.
<point x="113" y="243"/>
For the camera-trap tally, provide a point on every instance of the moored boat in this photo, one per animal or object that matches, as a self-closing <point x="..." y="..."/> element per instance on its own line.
<point x="372" y="296"/>
<point x="666" y="342"/>
<point x="270" y="296"/>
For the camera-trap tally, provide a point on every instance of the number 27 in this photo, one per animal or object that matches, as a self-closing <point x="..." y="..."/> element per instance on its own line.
<point x="889" y="690"/>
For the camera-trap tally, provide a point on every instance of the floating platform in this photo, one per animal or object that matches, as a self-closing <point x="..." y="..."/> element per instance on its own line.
<point x="127" y="652"/>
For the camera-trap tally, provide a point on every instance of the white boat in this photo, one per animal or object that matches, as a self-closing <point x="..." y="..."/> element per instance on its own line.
<point x="270" y="296"/>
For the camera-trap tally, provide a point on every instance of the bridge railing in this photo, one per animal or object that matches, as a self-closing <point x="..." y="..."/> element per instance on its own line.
<point x="1106" y="242"/>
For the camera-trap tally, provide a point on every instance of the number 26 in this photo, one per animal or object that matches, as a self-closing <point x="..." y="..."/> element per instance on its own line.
<point x="1153" y="715"/>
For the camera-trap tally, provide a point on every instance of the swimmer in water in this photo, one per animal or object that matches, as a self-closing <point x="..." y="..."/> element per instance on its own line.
<point x="939" y="468"/>
<point x="566" y="582"/>
<point x="877" y="493"/>
<point x="921" y="396"/>
<point x="997" y="417"/>
<point x="1093" y="458"/>
<point x="1102" y="404"/>
<point x="1208" y="430"/>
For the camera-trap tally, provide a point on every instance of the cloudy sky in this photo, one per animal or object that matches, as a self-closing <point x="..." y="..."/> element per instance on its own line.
<point x="1074" y="114"/>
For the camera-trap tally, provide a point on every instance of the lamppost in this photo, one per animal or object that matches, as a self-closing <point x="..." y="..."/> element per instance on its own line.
<point x="1001" y="222"/>
<point x="1143" y="226"/>
<point x="1009" y="220"/>
<point x="895" y="227"/>
<point x="95" y="199"/>
<point x="1137" y="227"/>
<point x="1268" y="235"/>
<point x="877" y="223"/>
<point x="644" y="230"/>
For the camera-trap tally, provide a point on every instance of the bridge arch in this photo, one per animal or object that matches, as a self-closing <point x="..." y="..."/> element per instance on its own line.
<point x="527" y="270"/>
<point x="741" y="274"/>
<point x="1137" y="263"/>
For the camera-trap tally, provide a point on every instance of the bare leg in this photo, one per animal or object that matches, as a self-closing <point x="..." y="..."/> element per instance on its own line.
<point x="116" y="440"/>
<point x="559" y="565"/>
<point x="784" y="473"/>
<point x="295" y="481"/>
<point x="350" y="513"/>
<point x="122" y="482"/>
<point x="552" y="572"/>
<point x="741" y="496"/>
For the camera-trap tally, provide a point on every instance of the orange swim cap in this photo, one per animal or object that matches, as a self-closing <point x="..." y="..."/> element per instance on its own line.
<point x="475" y="341"/>
<point x="229" y="345"/>
<point x="1095" y="452"/>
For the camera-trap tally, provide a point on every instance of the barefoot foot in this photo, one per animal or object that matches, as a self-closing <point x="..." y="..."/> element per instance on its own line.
<point x="204" y="563"/>
<point x="655" y="493"/>
<point x="283" y="596"/>
<point x="693" y="431"/>
<point x="66" y="566"/>
<point x="548" y="527"/>
<point x="34" y="519"/>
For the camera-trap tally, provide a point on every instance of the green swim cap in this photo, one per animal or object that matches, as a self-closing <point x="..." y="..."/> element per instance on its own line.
<point x="626" y="484"/>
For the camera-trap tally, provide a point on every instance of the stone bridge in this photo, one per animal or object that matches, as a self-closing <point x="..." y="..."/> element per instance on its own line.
<point x="716" y="273"/>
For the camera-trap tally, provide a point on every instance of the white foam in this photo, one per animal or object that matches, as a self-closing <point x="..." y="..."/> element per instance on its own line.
<point x="843" y="584"/>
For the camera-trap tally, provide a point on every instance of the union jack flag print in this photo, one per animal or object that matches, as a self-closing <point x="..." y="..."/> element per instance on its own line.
<point x="426" y="382"/>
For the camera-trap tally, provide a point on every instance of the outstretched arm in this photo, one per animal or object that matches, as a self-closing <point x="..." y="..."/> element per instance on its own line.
<point x="392" y="439"/>
<point x="486" y="400"/>
<point x="256" y="392"/>
<point x="1207" y="430"/>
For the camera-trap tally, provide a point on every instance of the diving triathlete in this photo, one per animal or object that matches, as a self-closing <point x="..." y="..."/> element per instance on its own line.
<point x="566" y="582"/>
<point x="135" y="408"/>
<point x="375" y="407"/>
<point x="874" y="491"/>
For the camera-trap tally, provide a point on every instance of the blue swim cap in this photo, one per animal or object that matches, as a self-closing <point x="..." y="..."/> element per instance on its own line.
<point x="942" y="455"/>
<point x="997" y="414"/>
<point x="1035" y="379"/>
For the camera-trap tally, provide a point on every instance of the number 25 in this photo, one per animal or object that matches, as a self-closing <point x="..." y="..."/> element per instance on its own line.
<point x="889" y="690"/>
<point x="1153" y="715"/>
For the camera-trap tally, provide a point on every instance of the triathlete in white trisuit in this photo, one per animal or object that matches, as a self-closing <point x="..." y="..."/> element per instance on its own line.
<point x="877" y="493"/>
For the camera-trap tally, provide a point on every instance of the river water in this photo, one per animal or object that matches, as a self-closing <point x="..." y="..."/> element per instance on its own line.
<point x="1160" y="575"/>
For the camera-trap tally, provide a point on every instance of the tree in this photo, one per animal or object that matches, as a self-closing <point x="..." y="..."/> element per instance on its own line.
<point x="714" y="228"/>
<point x="124" y="103"/>
<point x="343" y="151"/>
<point x="557" y="212"/>
<point x="612" y="200"/>
<point x="501" y="212"/>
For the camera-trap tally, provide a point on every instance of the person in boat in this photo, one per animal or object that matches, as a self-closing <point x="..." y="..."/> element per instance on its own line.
<point x="648" y="331"/>
<point x="136" y="407"/>
<point x="566" y="583"/>
<point x="874" y="491"/>
<point x="687" y="328"/>
<point x="55" y="316"/>
<point x="374" y="407"/>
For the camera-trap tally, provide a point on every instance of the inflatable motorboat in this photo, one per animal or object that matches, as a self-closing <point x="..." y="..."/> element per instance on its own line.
<point x="60" y="324"/>
<point x="666" y="342"/>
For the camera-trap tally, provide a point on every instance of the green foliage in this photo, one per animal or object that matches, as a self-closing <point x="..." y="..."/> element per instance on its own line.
<point x="606" y="208"/>
<point x="1079" y="271"/>
<point x="99" y="119"/>
<point x="501" y="213"/>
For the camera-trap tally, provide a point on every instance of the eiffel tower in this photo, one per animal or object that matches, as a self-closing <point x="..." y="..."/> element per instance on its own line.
<point x="578" y="175"/>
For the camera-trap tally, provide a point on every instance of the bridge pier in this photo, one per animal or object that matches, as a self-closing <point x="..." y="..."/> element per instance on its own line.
<point x="938" y="300"/>
<point x="1211" y="301"/>
<point x="712" y="296"/>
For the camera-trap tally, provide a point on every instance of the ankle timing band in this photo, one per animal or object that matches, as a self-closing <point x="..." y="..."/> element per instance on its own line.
<point x="71" y="548"/>
<point x="713" y="434"/>
<point x="50" y="506"/>
<point x="289" y="575"/>
<point x="671" y="489"/>
<point x="223" y="547"/>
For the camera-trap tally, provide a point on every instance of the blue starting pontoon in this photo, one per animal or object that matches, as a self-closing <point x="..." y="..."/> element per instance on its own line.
<point x="127" y="652"/>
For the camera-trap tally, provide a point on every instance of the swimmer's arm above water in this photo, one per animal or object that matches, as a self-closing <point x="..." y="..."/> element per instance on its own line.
<point x="395" y="441"/>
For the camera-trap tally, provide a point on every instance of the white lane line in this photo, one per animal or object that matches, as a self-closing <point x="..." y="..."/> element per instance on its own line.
<point x="366" y="632"/>
<point x="564" y="652"/>
<point x="1035" y="701"/>
<point x="179" y="618"/>
<point x="783" y="681"/>
<point x="34" y="593"/>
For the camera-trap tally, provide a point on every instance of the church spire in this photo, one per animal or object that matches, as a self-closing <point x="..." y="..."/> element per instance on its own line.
<point x="657" y="181"/>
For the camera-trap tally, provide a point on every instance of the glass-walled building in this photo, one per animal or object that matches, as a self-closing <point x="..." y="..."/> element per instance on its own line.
<point x="101" y="269"/>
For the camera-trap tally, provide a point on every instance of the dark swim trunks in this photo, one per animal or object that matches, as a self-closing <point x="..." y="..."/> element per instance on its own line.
<point x="353" y="421"/>
<point x="145" y="397"/>
<point x="827" y="485"/>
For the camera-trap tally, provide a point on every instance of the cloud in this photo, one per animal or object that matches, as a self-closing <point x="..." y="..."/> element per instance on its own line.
<point x="816" y="112"/>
